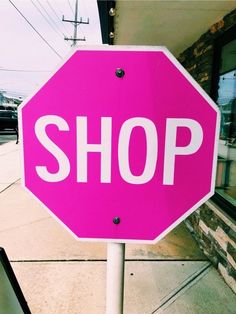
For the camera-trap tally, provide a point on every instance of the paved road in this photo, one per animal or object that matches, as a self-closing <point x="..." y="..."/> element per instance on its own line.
<point x="7" y="136"/>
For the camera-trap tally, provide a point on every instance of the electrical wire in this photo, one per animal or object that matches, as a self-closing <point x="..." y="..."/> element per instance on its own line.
<point x="71" y="7"/>
<point x="21" y="70"/>
<point x="46" y="42"/>
<point x="45" y="18"/>
<point x="57" y="16"/>
<point x="49" y="19"/>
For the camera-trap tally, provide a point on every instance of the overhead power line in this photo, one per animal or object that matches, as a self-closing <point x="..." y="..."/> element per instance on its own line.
<point x="21" y="70"/>
<point x="71" y="7"/>
<point x="57" y="16"/>
<point x="51" y="20"/>
<point x="46" y="42"/>
<point x="46" y="19"/>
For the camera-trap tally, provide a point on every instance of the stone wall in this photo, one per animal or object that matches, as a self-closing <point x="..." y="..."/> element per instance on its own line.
<point x="212" y="228"/>
<point x="216" y="235"/>
<point x="198" y="59"/>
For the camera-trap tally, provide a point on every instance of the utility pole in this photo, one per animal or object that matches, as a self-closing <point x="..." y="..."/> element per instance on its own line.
<point x="76" y="22"/>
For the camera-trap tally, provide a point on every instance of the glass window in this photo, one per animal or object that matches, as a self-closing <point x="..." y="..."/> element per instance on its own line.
<point x="226" y="99"/>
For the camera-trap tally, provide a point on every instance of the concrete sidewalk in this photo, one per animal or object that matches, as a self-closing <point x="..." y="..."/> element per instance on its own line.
<point x="59" y="274"/>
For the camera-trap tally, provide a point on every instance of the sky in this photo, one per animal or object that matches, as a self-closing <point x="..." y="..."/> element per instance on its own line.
<point x="26" y="59"/>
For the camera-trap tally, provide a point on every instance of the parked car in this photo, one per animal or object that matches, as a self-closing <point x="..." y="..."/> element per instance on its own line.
<point x="8" y="107"/>
<point x="9" y="120"/>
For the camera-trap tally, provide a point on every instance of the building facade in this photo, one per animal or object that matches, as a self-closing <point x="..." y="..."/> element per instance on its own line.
<point x="211" y="60"/>
<point x="202" y="35"/>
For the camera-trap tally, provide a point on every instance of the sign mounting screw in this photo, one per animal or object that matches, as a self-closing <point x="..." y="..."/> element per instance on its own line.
<point x="120" y="72"/>
<point x="116" y="220"/>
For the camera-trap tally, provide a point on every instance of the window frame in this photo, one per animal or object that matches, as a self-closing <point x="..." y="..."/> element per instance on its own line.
<point x="219" y="43"/>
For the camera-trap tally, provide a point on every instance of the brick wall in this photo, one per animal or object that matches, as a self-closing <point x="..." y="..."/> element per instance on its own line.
<point x="212" y="228"/>
<point x="198" y="58"/>
<point x="216" y="235"/>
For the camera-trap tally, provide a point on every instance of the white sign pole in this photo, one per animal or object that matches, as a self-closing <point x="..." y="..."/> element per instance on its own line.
<point x="115" y="278"/>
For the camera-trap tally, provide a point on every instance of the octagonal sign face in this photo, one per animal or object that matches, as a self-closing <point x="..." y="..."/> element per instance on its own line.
<point x="120" y="143"/>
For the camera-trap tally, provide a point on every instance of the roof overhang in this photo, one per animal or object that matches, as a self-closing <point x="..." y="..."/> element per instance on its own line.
<point x="174" y="24"/>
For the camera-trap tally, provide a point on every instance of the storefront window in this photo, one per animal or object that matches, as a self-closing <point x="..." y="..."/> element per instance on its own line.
<point x="226" y="99"/>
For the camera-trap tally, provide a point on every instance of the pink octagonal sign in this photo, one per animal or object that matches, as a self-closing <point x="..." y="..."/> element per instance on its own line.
<point x="120" y="143"/>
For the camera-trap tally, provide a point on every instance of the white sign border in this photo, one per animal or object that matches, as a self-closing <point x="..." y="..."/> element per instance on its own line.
<point x="176" y="63"/>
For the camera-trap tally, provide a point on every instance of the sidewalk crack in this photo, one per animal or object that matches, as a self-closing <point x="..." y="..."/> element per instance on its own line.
<point x="10" y="184"/>
<point x="23" y="225"/>
<point x="185" y="285"/>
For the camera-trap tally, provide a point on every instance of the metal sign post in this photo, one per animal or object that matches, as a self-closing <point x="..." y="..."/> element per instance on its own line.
<point x="115" y="278"/>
